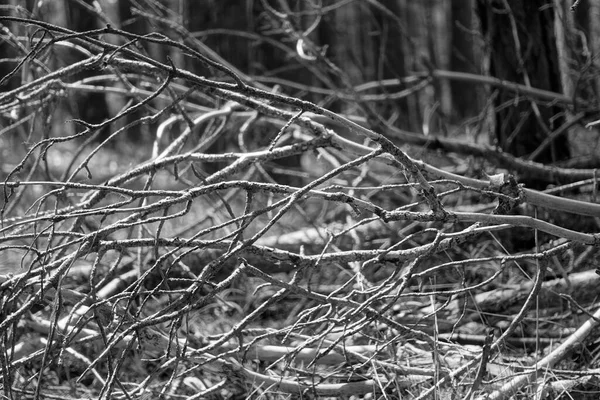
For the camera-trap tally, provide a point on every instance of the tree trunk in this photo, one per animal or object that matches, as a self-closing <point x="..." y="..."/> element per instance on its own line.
<point x="464" y="94"/>
<point x="523" y="50"/>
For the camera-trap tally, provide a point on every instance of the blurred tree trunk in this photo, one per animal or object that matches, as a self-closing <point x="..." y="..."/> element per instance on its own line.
<point x="352" y="50"/>
<point x="414" y="49"/>
<point x="594" y="35"/>
<point x="578" y="45"/>
<point x="375" y="42"/>
<point x="9" y="51"/>
<point x="439" y="17"/>
<point x="523" y="50"/>
<point x="355" y="49"/>
<point x="464" y="94"/>
<point x="582" y="46"/>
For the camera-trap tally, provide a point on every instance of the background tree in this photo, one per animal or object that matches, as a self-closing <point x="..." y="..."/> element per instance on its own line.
<point x="523" y="49"/>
